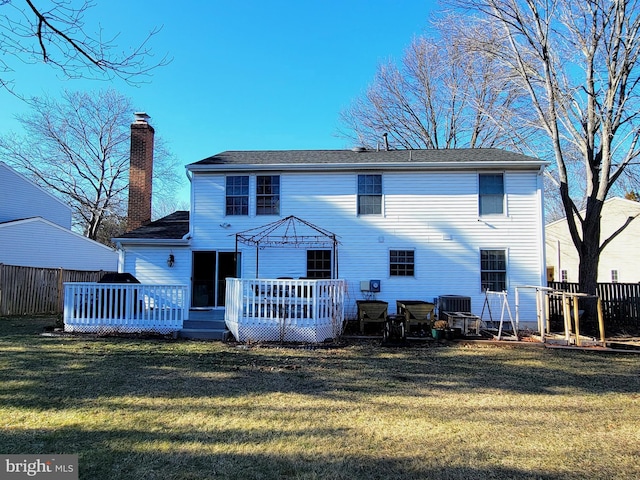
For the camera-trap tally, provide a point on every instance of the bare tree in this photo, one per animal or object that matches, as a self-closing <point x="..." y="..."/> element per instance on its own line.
<point x="78" y="148"/>
<point x="578" y="64"/>
<point x="440" y="97"/>
<point x="55" y="33"/>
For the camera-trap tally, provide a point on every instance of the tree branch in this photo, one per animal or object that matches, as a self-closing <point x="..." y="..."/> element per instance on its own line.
<point x="618" y="232"/>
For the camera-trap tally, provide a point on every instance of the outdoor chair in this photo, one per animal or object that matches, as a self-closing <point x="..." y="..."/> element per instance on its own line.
<point x="371" y="311"/>
<point x="416" y="312"/>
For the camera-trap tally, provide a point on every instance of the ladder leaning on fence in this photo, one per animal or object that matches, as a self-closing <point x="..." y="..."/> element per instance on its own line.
<point x="495" y="302"/>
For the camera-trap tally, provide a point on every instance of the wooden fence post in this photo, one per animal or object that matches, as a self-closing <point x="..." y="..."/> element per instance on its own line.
<point x="601" y="323"/>
<point x="576" y="315"/>
<point x="566" y="310"/>
<point x="60" y="290"/>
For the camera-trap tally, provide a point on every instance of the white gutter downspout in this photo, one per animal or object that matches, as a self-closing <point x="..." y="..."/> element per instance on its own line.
<point x="558" y="259"/>
<point x="191" y="202"/>
<point x="542" y="227"/>
<point x="121" y="255"/>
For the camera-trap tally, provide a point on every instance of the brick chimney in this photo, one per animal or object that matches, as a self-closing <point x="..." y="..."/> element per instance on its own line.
<point x="140" y="172"/>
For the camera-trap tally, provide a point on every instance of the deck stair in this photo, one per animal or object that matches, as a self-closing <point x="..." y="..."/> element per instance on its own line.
<point x="205" y="325"/>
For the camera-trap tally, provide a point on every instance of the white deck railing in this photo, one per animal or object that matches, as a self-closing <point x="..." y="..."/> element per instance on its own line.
<point x="284" y="310"/>
<point x="124" y="308"/>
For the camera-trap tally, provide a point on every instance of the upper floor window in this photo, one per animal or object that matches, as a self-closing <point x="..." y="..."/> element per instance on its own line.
<point x="369" y="194"/>
<point x="564" y="276"/>
<point x="614" y="276"/>
<point x="237" y="195"/>
<point x="319" y="263"/>
<point x="401" y="263"/>
<point x="493" y="270"/>
<point x="491" y="193"/>
<point x="267" y="195"/>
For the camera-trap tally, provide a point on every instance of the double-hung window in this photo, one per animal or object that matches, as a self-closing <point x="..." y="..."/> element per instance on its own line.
<point x="491" y="193"/>
<point x="319" y="263"/>
<point x="237" y="188"/>
<point x="493" y="270"/>
<point x="401" y="263"/>
<point x="369" y="194"/>
<point x="267" y="195"/>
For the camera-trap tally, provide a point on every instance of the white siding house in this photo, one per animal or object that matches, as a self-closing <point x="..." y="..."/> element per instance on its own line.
<point x="425" y="223"/>
<point x="35" y="230"/>
<point x="146" y="251"/>
<point x="619" y="261"/>
<point x="21" y="198"/>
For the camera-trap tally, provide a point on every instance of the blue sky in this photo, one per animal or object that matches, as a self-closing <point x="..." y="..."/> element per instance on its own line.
<point x="246" y="74"/>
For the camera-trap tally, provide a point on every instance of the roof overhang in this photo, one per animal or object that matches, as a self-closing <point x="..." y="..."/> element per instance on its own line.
<point x="153" y="241"/>
<point x="405" y="166"/>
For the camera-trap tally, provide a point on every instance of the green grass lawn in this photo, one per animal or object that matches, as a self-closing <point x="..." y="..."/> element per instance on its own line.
<point x="171" y="409"/>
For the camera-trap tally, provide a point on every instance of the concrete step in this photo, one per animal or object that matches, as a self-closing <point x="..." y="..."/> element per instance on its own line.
<point x="204" y="324"/>
<point x="208" y="314"/>
<point x="204" y="333"/>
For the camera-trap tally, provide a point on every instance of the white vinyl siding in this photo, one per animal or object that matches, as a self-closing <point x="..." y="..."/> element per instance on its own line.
<point x="434" y="214"/>
<point x="20" y="198"/>
<point x="150" y="264"/>
<point x="39" y="243"/>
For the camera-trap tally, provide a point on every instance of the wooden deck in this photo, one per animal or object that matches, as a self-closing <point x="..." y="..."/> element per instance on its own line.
<point x="284" y="309"/>
<point x="124" y="308"/>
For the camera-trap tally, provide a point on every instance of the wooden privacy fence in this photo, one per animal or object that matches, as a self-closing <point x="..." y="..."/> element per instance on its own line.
<point x="33" y="290"/>
<point x="620" y="304"/>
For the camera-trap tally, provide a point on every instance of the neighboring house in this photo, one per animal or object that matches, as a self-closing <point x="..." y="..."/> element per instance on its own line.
<point x="35" y="230"/>
<point x="619" y="261"/>
<point x="21" y="198"/>
<point x="425" y="223"/>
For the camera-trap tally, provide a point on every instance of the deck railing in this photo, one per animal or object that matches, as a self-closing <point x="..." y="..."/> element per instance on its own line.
<point x="124" y="308"/>
<point x="284" y="309"/>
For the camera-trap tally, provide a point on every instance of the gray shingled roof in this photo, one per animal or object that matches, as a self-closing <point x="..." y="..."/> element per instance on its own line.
<point x="172" y="227"/>
<point x="366" y="157"/>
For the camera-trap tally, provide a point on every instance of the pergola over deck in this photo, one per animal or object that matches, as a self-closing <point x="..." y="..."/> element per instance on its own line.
<point x="303" y="310"/>
<point x="290" y="231"/>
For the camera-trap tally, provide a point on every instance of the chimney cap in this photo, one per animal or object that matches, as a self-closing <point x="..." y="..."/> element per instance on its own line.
<point x="141" y="117"/>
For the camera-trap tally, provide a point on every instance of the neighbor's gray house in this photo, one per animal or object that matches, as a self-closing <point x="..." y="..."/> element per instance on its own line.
<point x="35" y="230"/>
<point x="619" y="261"/>
<point x="419" y="224"/>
